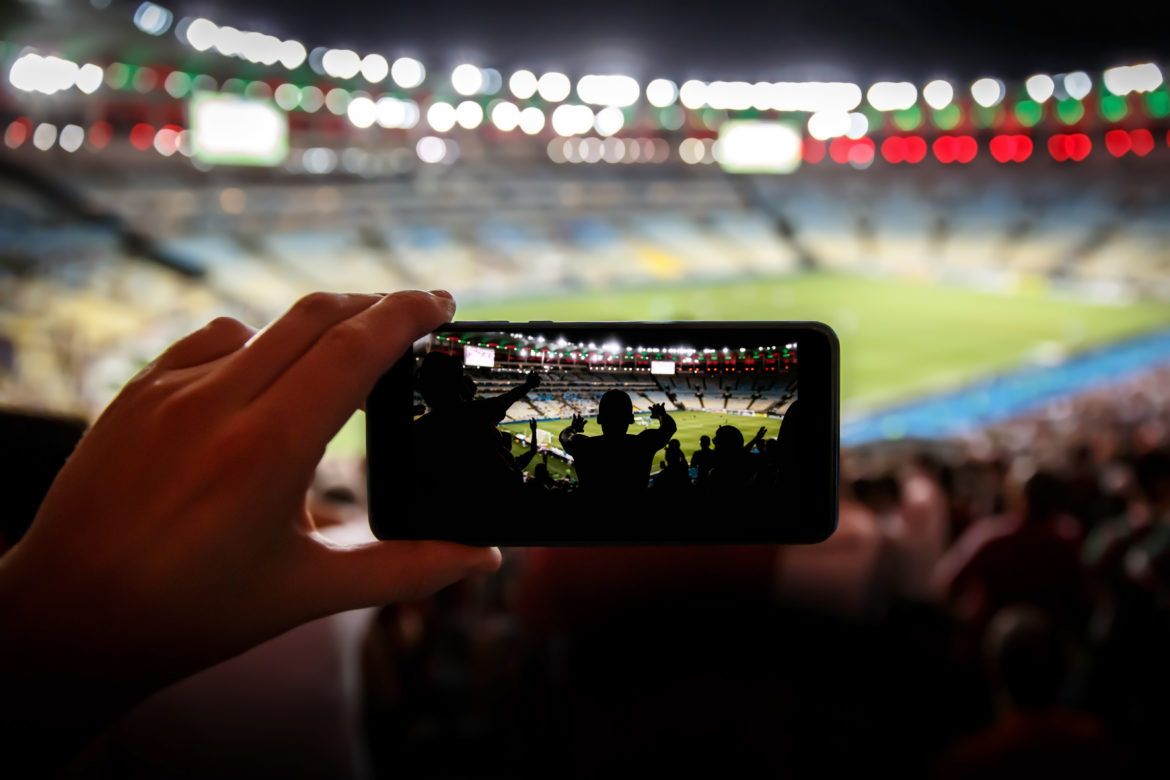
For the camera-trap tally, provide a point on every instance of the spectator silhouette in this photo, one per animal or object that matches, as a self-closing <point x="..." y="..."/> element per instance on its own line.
<point x="702" y="459"/>
<point x="616" y="463"/>
<point x="457" y="421"/>
<point x="675" y="477"/>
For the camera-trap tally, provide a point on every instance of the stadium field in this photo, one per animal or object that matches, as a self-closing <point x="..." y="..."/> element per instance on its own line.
<point x="691" y="426"/>
<point x="899" y="339"/>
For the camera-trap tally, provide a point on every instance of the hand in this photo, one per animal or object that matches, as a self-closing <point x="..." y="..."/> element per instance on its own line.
<point x="657" y="411"/>
<point x="177" y="534"/>
<point x="762" y="432"/>
<point x="578" y="423"/>
<point x="532" y="380"/>
<point x="532" y="430"/>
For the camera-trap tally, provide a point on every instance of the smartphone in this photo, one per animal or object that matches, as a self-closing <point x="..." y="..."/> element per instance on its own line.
<point x="608" y="433"/>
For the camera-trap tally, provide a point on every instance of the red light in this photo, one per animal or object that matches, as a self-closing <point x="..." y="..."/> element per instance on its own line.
<point x="813" y="150"/>
<point x="1069" y="146"/>
<point x="894" y="149"/>
<point x="1143" y="141"/>
<point x="100" y="134"/>
<point x="915" y="148"/>
<point x="1010" y="148"/>
<point x="1118" y="142"/>
<point x="847" y="150"/>
<point x="16" y="134"/>
<point x="142" y="136"/>
<point x="955" y="148"/>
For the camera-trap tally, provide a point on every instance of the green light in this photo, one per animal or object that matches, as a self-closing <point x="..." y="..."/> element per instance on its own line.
<point x="1070" y="111"/>
<point x="1029" y="113"/>
<point x="1158" y="103"/>
<point x="117" y="75"/>
<point x="948" y="118"/>
<point x="1113" y="108"/>
<point x="671" y="117"/>
<point x="908" y="118"/>
<point x="984" y="117"/>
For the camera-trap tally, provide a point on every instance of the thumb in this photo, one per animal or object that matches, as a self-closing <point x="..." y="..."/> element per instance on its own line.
<point x="382" y="572"/>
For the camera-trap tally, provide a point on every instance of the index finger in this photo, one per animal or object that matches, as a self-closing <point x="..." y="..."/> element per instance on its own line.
<point x="323" y="388"/>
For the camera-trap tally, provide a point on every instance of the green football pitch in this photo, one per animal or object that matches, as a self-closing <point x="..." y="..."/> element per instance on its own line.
<point x="899" y="339"/>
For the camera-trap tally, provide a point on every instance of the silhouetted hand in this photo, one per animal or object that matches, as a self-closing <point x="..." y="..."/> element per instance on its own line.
<point x="177" y="534"/>
<point x="762" y="432"/>
<point x="532" y="380"/>
<point x="578" y="423"/>
<point x="532" y="430"/>
<point x="657" y="410"/>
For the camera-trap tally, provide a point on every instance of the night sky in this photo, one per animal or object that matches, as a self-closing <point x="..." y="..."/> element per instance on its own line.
<point x="727" y="39"/>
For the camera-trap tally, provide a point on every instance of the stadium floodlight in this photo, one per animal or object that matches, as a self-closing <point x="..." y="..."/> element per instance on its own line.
<point x="1125" y="79"/>
<point x="71" y="138"/>
<point x="469" y="114"/>
<point x="467" y="79"/>
<point x="858" y="125"/>
<point x="375" y="68"/>
<point x="89" y="78"/>
<point x="532" y="120"/>
<point x="571" y="119"/>
<point x="938" y="94"/>
<point x="201" y="34"/>
<point x="441" y="116"/>
<point x="661" y="93"/>
<point x="1078" y="84"/>
<point x="813" y="96"/>
<point x="1040" y="87"/>
<point x="609" y="121"/>
<point x="554" y="87"/>
<point x="693" y="94"/>
<point x="824" y="125"/>
<point x="523" y="84"/>
<point x="292" y="54"/>
<point x="988" y="92"/>
<point x="408" y="72"/>
<point x="47" y="75"/>
<point x="341" y="63"/>
<point x="619" y="91"/>
<point x="312" y="99"/>
<point x="505" y="116"/>
<point x="730" y="95"/>
<point x="892" y="95"/>
<point x="152" y="19"/>
<point x="362" y="112"/>
<point x="45" y="136"/>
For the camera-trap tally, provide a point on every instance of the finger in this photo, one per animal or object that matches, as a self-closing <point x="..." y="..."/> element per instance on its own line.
<point x="288" y="338"/>
<point x="383" y="572"/>
<point x="220" y="337"/>
<point x="320" y="391"/>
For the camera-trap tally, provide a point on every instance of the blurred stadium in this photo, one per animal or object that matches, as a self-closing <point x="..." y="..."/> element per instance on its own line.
<point x="993" y="251"/>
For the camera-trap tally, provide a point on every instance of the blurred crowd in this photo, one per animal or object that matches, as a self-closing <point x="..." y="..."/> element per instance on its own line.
<point x="993" y="606"/>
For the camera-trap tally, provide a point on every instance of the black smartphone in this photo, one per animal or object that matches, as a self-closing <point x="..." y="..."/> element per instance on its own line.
<point x="608" y="433"/>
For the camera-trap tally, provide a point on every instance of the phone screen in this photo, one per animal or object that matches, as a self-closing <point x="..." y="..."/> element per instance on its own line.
<point x="608" y="434"/>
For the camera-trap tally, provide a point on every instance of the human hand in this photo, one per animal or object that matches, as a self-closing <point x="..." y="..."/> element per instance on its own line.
<point x="532" y="380"/>
<point x="532" y="430"/>
<point x="177" y="534"/>
<point x="657" y="410"/>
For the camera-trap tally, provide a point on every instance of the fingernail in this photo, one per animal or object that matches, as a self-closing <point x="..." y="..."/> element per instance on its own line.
<point x="443" y="294"/>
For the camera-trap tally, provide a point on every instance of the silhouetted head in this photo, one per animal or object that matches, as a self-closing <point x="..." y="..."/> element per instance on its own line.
<point x="1026" y="657"/>
<point x="1152" y="471"/>
<point x="540" y="472"/>
<point x="728" y="439"/>
<point x="705" y="442"/>
<point x="673" y="445"/>
<point x="441" y="382"/>
<point x="1043" y="497"/>
<point x="615" y="412"/>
